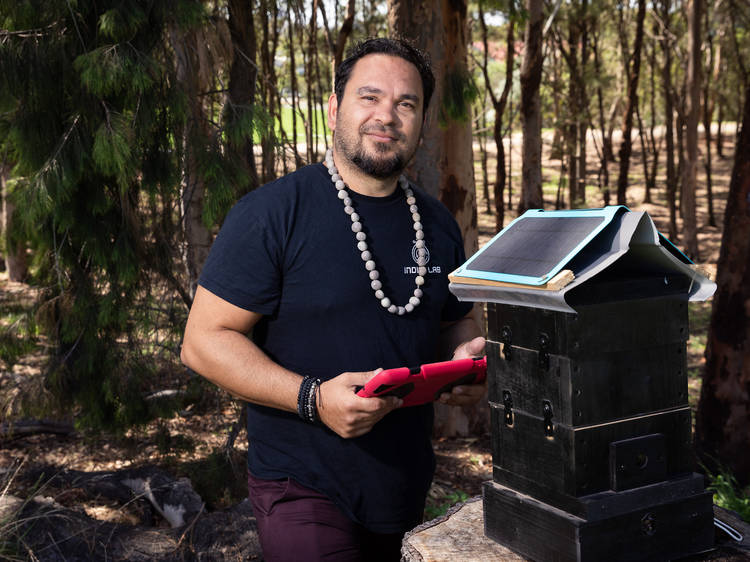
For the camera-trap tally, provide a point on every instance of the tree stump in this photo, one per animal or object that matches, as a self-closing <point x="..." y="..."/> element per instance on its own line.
<point x="459" y="535"/>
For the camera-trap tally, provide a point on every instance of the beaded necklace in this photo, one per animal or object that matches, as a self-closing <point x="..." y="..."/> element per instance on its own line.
<point x="367" y="256"/>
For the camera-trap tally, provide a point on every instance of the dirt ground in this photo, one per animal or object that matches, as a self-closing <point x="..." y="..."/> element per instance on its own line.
<point x="190" y="443"/>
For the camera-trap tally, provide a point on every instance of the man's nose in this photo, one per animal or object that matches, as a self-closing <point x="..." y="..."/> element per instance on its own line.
<point x="386" y="114"/>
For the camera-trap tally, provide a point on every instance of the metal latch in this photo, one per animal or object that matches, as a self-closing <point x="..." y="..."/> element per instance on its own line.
<point x="508" y="404"/>
<point x="549" y="429"/>
<point x="543" y="351"/>
<point x="505" y="337"/>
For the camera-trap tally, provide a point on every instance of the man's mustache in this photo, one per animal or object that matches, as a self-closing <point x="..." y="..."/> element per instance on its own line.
<point x="380" y="130"/>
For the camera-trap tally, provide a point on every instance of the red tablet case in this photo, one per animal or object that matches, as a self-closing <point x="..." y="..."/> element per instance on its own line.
<point x="419" y="385"/>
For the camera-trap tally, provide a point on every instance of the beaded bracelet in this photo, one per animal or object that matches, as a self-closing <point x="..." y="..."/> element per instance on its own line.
<point x="307" y="407"/>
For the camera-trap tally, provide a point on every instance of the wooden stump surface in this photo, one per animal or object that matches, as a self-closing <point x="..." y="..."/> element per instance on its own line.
<point x="458" y="536"/>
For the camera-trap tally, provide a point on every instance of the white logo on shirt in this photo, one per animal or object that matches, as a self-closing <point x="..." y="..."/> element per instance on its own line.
<point x="414" y="269"/>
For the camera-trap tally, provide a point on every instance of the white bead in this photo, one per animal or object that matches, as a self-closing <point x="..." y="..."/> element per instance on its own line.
<point x="379" y="295"/>
<point x="355" y="217"/>
<point x="422" y="271"/>
<point x="415" y="217"/>
<point x="417" y="225"/>
<point x="422" y="261"/>
<point x="393" y="309"/>
<point x="419" y="280"/>
<point x="340" y="184"/>
<point x="421" y="252"/>
<point x="411" y="201"/>
<point x="342" y="193"/>
<point x="413" y="208"/>
<point x="419" y="234"/>
<point x="409" y="307"/>
<point x="420" y="244"/>
<point x="409" y="193"/>
<point x="401" y="311"/>
<point x="418" y="293"/>
<point x="414" y="301"/>
<point x="366" y="255"/>
<point x="376" y="285"/>
<point x="361" y="245"/>
<point x="374" y="274"/>
<point x="348" y="210"/>
<point x="332" y="170"/>
<point x="386" y="302"/>
<point x="361" y="236"/>
<point x="335" y="177"/>
<point x="356" y="226"/>
<point x="369" y="265"/>
<point x="348" y="201"/>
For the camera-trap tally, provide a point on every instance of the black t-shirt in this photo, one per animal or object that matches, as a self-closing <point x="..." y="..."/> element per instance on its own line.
<point x="287" y="251"/>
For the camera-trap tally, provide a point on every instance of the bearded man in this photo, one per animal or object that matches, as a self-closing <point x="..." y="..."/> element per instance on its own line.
<point x="336" y="271"/>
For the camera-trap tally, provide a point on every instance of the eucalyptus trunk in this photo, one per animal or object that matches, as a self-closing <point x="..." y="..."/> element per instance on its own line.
<point x="12" y="247"/>
<point x="195" y="136"/>
<point x="531" y="109"/>
<point x="632" y="72"/>
<point x="723" y="416"/>
<point x="443" y="165"/>
<point x="689" y="186"/>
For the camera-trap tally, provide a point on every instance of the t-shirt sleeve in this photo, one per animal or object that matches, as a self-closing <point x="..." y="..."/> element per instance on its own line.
<point x="243" y="266"/>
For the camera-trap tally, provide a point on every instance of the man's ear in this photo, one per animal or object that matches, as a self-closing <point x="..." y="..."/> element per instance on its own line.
<point x="333" y="109"/>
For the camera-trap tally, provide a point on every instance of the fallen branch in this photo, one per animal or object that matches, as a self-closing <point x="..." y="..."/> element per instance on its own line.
<point x="23" y="428"/>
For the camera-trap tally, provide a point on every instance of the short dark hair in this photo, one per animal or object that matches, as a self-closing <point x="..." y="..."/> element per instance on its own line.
<point x="386" y="46"/>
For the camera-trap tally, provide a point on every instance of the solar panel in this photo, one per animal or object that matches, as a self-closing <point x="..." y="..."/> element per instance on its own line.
<point x="537" y="245"/>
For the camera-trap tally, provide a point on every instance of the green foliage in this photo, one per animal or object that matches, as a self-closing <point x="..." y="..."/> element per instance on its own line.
<point x="439" y="506"/>
<point x="92" y="110"/>
<point x="459" y="91"/>
<point x="18" y="336"/>
<point x="727" y="494"/>
<point x="219" y="479"/>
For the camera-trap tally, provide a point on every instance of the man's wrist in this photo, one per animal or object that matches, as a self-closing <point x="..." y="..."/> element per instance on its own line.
<point x="307" y="406"/>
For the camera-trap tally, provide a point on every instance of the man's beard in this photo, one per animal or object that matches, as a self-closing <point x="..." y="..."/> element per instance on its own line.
<point x="381" y="168"/>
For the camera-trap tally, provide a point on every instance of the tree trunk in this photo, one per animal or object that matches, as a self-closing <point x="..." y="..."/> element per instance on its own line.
<point x="443" y="164"/>
<point x="583" y="110"/>
<point x="606" y="154"/>
<point x="242" y="76"/>
<point x="573" y="110"/>
<point x="271" y="101"/>
<point x="531" y="114"/>
<point x="723" y="417"/>
<point x="13" y="248"/>
<point x="707" y="113"/>
<point x="498" y="105"/>
<point x="197" y="237"/>
<point x="295" y="91"/>
<point x="632" y="73"/>
<point x="689" y="186"/>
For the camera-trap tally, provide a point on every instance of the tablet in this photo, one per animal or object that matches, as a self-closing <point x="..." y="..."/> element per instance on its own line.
<point x="420" y="385"/>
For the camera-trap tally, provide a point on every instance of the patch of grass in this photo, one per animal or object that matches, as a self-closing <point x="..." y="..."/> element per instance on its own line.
<point x="18" y="336"/>
<point x="699" y="315"/>
<point x="727" y="494"/>
<point x="220" y="479"/>
<point x="13" y="526"/>
<point x="437" y="507"/>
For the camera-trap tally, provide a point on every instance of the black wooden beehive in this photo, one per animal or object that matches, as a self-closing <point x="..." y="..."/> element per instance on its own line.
<point x="591" y="428"/>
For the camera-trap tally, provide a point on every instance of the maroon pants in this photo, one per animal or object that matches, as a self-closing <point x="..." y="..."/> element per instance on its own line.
<point x="296" y="523"/>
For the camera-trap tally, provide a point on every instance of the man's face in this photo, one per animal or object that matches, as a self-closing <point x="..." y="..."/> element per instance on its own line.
<point x="379" y="120"/>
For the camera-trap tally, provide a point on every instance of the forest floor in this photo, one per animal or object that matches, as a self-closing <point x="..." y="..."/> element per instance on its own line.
<point x="192" y="442"/>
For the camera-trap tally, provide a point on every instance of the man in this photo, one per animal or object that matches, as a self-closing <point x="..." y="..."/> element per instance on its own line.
<point x="339" y="269"/>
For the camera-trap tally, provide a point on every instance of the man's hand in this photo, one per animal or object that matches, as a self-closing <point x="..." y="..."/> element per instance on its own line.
<point x="467" y="394"/>
<point x="347" y="414"/>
